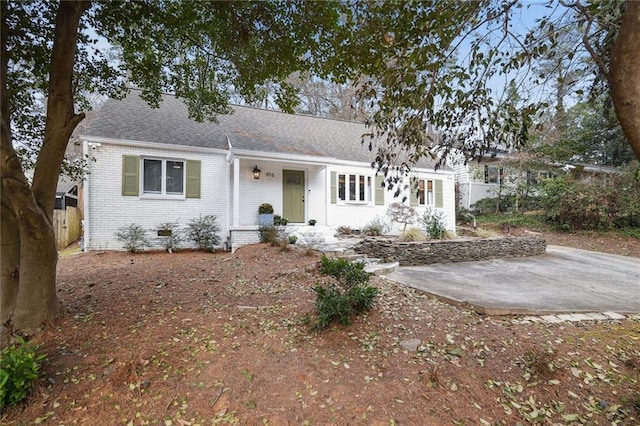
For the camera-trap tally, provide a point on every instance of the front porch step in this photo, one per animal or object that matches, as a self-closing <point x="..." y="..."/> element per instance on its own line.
<point x="372" y="265"/>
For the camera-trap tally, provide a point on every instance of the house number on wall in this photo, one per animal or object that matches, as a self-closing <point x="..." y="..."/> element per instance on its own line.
<point x="270" y="174"/>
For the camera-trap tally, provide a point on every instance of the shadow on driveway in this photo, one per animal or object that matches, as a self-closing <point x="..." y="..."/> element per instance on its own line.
<point x="564" y="280"/>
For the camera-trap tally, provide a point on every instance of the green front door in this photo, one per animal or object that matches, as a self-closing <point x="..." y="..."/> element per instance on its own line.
<point x="293" y="195"/>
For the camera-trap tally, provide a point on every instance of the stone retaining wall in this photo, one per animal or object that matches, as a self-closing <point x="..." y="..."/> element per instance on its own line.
<point x="445" y="251"/>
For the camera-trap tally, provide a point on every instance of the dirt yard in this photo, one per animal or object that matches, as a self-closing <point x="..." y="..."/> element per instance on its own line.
<point x="199" y="339"/>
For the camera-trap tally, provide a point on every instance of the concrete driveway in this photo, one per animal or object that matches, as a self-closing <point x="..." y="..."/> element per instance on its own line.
<point x="564" y="280"/>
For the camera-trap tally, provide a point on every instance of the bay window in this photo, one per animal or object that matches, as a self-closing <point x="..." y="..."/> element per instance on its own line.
<point x="354" y="187"/>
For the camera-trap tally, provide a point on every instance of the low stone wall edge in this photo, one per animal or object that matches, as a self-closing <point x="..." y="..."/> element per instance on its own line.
<point x="447" y="251"/>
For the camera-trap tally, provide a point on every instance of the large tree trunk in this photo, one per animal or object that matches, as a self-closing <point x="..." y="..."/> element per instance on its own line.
<point x="35" y="300"/>
<point x="9" y="232"/>
<point x="625" y="75"/>
<point x="9" y="263"/>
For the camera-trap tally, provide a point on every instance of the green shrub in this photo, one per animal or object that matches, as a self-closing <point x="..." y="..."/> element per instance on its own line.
<point x="361" y="297"/>
<point x="632" y="232"/>
<point x="269" y="234"/>
<point x="351" y="273"/>
<point x="464" y="216"/>
<point x="335" y="304"/>
<point x="378" y="226"/>
<point x="484" y="206"/>
<point x="170" y="235"/>
<point x="331" y="305"/>
<point x="629" y="196"/>
<point x="598" y="204"/>
<point x="292" y="239"/>
<point x="204" y="232"/>
<point x="349" y="295"/>
<point x="312" y="222"/>
<point x="133" y="237"/>
<point x="522" y="220"/>
<point x="490" y="205"/>
<point x="434" y="223"/>
<point x="279" y="220"/>
<point x="19" y="366"/>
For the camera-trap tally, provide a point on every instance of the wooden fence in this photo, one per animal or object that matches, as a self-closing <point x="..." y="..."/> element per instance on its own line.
<point x="66" y="225"/>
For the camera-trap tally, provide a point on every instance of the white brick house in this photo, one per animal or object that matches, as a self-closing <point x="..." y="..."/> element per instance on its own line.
<point x="152" y="166"/>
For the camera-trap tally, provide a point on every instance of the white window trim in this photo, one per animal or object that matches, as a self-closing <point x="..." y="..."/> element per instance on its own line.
<point x="163" y="179"/>
<point x="368" y="188"/>
<point x="487" y="174"/>
<point x="432" y="199"/>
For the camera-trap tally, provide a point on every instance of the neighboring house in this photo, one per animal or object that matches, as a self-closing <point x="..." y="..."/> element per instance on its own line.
<point x="154" y="166"/>
<point x="67" y="194"/>
<point x="478" y="180"/>
<point x="67" y="213"/>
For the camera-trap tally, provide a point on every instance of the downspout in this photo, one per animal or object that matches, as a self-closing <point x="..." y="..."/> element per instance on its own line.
<point x="327" y="194"/>
<point x="85" y="201"/>
<point x="228" y="203"/>
<point x="468" y="188"/>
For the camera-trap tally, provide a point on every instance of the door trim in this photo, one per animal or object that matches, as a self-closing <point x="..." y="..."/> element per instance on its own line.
<point x="304" y="193"/>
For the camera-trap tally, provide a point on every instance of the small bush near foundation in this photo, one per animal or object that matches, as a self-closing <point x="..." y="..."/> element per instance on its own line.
<point x="133" y="237"/>
<point x="204" y="232"/>
<point x="280" y="221"/>
<point x="434" y="224"/>
<point x="19" y="366"/>
<point x="344" y="230"/>
<point x="378" y="226"/>
<point x="269" y="234"/>
<point x="349" y="295"/>
<point x="171" y="236"/>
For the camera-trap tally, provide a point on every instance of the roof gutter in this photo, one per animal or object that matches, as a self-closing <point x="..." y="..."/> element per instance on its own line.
<point x="309" y="159"/>
<point x="156" y="145"/>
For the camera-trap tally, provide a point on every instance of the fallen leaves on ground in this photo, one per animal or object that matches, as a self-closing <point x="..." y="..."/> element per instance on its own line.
<point x="197" y="338"/>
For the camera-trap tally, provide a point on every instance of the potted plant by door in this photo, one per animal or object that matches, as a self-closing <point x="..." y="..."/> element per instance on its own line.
<point x="265" y="214"/>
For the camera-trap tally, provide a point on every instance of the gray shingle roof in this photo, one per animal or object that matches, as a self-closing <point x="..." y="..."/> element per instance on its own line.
<point x="248" y="129"/>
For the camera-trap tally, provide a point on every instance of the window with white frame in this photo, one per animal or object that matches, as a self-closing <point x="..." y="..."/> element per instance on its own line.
<point x="493" y="174"/>
<point x="162" y="176"/>
<point x="354" y="187"/>
<point x="425" y="193"/>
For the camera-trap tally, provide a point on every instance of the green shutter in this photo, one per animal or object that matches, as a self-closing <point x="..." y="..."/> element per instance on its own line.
<point x="439" y="195"/>
<point x="193" y="179"/>
<point x="130" y="175"/>
<point x="334" y="188"/>
<point x="379" y="192"/>
<point x="413" y="192"/>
